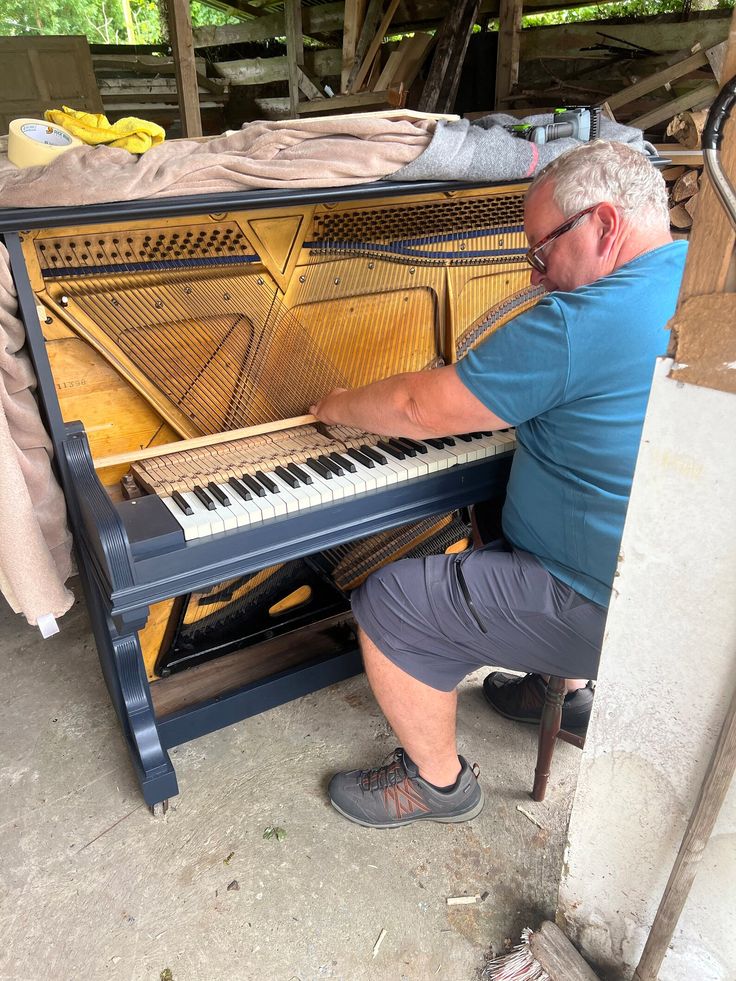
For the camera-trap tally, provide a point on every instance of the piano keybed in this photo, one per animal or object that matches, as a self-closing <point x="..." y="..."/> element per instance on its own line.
<point x="211" y="490"/>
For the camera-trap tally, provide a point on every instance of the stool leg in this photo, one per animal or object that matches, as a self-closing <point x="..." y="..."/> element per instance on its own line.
<point x="549" y="726"/>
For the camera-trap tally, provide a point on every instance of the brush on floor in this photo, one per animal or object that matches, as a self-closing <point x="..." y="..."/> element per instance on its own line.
<point x="543" y="955"/>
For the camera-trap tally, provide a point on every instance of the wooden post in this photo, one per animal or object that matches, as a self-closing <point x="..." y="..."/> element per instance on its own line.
<point x="182" y="48"/>
<point x="440" y="89"/>
<point x="354" y="15"/>
<point x="712" y="239"/>
<point x="509" y="41"/>
<point x="294" y="50"/>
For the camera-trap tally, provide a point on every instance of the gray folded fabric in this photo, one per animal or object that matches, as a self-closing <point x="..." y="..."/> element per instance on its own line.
<point x="482" y="150"/>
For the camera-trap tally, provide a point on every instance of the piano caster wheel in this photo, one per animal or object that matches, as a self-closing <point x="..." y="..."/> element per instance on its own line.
<point x="159" y="810"/>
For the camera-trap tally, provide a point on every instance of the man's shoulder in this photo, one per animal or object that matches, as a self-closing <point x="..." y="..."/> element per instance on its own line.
<point x="650" y="280"/>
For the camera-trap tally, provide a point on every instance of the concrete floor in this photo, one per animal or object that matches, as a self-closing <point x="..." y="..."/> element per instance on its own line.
<point x="92" y="886"/>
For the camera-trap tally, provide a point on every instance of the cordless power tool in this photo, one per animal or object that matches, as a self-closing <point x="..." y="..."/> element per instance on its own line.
<point x="580" y="122"/>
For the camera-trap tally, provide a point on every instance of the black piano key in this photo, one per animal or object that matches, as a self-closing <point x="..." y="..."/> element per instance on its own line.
<point x="365" y="461"/>
<point x="437" y="444"/>
<point x="331" y="465"/>
<point x="240" y="489"/>
<point x="419" y="447"/>
<point x="401" y="445"/>
<point x="319" y="469"/>
<point x="267" y="482"/>
<point x="299" y="473"/>
<point x="286" y="476"/>
<point x="204" y="497"/>
<point x="448" y="440"/>
<point x="369" y="451"/>
<point x="342" y="462"/>
<point x="476" y="435"/>
<point x="181" y="503"/>
<point x="465" y="438"/>
<point x="258" y="489"/>
<point x="218" y="494"/>
<point x="393" y="451"/>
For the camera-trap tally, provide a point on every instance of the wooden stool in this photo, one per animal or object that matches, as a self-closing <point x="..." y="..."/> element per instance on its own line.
<point x="549" y="732"/>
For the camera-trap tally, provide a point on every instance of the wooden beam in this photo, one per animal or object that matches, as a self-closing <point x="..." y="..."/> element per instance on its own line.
<point x="509" y="46"/>
<point x="404" y="67"/>
<point x="568" y="39"/>
<point x="319" y="63"/>
<point x="372" y="19"/>
<point x="414" y="15"/>
<point x="440" y="89"/>
<point x="701" y="96"/>
<point x="360" y="100"/>
<point x="308" y="86"/>
<point x="294" y="50"/>
<point x="657" y="80"/>
<point x="711" y="252"/>
<point x="354" y="16"/>
<point x="315" y="20"/>
<point x="716" y="59"/>
<point x="373" y="47"/>
<point x="182" y="48"/>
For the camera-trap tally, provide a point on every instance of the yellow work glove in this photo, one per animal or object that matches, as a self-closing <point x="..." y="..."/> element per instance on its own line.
<point x="135" y="135"/>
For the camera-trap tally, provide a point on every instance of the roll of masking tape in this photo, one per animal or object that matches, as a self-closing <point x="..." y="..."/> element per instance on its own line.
<point x="34" y="142"/>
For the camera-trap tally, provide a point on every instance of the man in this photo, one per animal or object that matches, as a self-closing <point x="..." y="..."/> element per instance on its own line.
<point x="572" y="375"/>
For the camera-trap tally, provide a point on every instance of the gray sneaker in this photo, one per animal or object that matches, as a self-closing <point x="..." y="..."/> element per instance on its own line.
<point x="394" y="794"/>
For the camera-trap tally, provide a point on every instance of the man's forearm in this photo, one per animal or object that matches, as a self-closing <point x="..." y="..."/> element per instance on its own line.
<point x="384" y="407"/>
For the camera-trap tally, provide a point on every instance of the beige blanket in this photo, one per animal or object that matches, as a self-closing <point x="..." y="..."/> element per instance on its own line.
<point x="320" y="152"/>
<point x="35" y="545"/>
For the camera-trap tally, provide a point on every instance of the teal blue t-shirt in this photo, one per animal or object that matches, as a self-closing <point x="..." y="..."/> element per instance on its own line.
<point x="573" y="375"/>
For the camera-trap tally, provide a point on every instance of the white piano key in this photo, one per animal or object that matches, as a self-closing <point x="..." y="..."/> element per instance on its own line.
<point x="324" y="487"/>
<point x="187" y="522"/>
<point x="208" y="521"/>
<point x="241" y="515"/>
<point x="285" y="493"/>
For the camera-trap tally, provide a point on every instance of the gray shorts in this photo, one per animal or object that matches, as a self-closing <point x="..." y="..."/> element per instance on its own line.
<point x="441" y="617"/>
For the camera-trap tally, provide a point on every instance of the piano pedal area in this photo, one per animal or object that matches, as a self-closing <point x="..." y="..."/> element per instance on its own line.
<point x="249" y="628"/>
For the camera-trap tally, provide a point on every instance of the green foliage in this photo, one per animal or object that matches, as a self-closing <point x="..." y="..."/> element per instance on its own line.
<point x="102" y="21"/>
<point x="624" y="8"/>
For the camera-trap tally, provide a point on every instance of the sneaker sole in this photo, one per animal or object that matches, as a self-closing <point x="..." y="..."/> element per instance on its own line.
<point x="575" y="730"/>
<point x="449" y="819"/>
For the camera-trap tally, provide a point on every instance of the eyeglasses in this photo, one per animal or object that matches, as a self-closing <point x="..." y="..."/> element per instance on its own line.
<point x="534" y="258"/>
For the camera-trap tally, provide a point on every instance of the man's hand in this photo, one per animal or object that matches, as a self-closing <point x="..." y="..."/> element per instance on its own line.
<point x="327" y="409"/>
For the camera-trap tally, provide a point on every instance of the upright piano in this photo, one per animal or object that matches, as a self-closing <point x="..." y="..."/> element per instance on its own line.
<point x="178" y="344"/>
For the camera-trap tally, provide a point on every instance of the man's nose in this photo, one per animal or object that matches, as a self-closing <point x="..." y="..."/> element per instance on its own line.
<point x="536" y="277"/>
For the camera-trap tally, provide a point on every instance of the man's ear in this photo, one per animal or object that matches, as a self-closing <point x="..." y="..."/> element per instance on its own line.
<point x="609" y="222"/>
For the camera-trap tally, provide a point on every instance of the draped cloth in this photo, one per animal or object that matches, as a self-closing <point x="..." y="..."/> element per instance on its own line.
<point x="35" y="543"/>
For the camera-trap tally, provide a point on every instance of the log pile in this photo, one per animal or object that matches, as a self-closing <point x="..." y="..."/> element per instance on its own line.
<point x="683" y="185"/>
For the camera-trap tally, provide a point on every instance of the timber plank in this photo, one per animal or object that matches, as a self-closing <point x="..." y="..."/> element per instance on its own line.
<point x="509" y="46"/>
<point x="182" y="46"/>
<point x="354" y="15"/>
<point x="703" y="95"/>
<point x="712" y="239"/>
<point x="294" y="50"/>
<point x="658" y="79"/>
<point x="373" y="47"/>
<point x="438" y="94"/>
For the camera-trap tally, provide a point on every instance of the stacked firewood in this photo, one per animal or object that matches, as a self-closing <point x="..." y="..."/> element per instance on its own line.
<point x="683" y="185"/>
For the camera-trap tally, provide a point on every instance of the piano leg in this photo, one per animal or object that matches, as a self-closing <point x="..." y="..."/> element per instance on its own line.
<point x="125" y="675"/>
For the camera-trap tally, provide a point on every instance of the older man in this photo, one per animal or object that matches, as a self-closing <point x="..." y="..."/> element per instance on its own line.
<point x="572" y="375"/>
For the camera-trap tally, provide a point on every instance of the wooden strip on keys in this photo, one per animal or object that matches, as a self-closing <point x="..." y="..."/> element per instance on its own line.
<point x="198" y="442"/>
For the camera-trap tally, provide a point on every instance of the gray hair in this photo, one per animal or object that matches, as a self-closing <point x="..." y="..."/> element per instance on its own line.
<point x="608" y="171"/>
